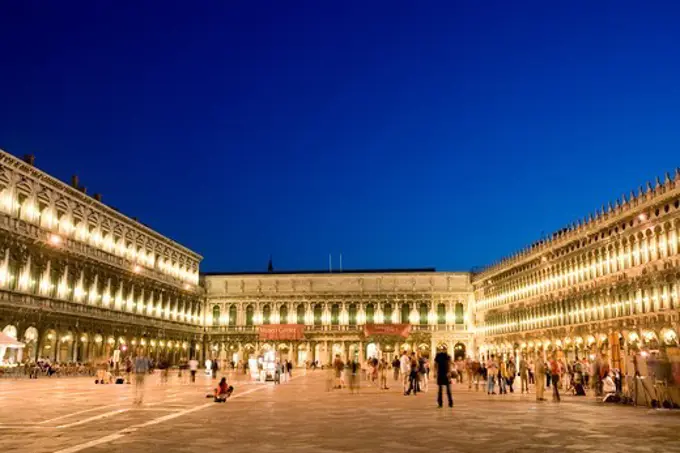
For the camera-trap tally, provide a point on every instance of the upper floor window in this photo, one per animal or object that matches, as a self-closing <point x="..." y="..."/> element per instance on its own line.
<point x="283" y="314"/>
<point x="405" y="313"/>
<point x="232" y="315"/>
<point x="317" y="314"/>
<point x="459" y="313"/>
<point x="250" y="313"/>
<point x="266" y="314"/>
<point x="370" y="314"/>
<point x="441" y="314"/>
<point x="353" y="314"/>
<point x="301" y="314"/>
<point x="335" y="314"/>
<point x="423" y="314"/>
<point x="387" y="314"/>
<point x="216" y="315"/>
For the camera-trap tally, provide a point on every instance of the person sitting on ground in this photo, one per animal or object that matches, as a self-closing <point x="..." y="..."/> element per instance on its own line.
<point x="609" y="390"/>
<point x="223" y="391"/>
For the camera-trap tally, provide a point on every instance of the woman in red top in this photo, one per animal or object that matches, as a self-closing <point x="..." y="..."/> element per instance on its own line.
<point x="223" y="391"/>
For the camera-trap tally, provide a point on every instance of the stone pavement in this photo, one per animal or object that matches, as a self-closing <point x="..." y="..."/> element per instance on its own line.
<point x="72" y="414"/>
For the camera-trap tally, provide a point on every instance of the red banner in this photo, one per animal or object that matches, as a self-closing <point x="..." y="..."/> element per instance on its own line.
<point x="393" y="330"/>
<point x="281" y="331"/>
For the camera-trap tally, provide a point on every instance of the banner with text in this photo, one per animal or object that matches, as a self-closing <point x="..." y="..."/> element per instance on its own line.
<point x="392" y="330"/>
<point x="281" y="331"/>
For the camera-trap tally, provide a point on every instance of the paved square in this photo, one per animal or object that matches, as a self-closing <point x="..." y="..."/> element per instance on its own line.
<point x="68" y="415"/>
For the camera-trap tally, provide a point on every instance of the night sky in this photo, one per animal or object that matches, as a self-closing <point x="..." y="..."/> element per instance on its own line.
<point x="402" y="136"/>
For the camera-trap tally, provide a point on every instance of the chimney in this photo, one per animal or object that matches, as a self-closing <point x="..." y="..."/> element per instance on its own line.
<point x="29" y="159"/>
<point x="98" y="197"/>
<point x="74" y="181"/>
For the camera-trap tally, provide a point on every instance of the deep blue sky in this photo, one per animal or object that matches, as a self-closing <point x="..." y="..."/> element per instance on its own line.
<point x="448" y="135"/>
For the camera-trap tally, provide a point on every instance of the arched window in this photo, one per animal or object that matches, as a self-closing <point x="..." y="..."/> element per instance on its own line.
<point x="459" y="313"/>
<point x="353" y="314"/>
<point x="232" y="315"/>
<point x="423" y="314"/>
<point x="283" y="314"/>
<point x="387" y="314"/>
<point x="335" y="314"/>
<point x="301" y="314"/>
<point x="250" y="312"/>
<point x="317" y="314"/>
<point x="216" y="315"/>
<point x="405" y="313"/>
<point x="266" y="314"/>
<point x="370" y="314"/>
<point x="441" y="314"/>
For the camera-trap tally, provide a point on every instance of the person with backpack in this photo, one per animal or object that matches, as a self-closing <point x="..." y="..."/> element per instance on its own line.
<point x="511" y="373"/>
<point x="395" y="367"/>
<point x="555" y="377"/>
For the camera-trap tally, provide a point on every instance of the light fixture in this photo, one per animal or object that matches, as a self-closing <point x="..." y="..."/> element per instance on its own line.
<point x="137" y="269"/>
<point x="55" y="239"/>
<point x="642" y="217"/>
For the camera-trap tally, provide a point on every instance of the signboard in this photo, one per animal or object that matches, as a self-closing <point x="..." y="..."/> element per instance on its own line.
<point x="281" y="331"/>
<point x="392" y="330"/>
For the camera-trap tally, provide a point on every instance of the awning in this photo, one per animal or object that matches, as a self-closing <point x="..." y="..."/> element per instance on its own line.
<point x="8" y="342"/>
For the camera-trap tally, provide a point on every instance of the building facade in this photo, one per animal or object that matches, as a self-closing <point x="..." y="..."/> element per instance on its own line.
<point x="334" y="308"/>
<point x="607" y="284"/>
<point x="79" y="280"/>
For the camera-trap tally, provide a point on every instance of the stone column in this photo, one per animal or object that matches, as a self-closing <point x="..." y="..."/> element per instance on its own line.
<point x="74" y="350"/>
<point x="57" y="345"/>
<point x="362" y="357"/>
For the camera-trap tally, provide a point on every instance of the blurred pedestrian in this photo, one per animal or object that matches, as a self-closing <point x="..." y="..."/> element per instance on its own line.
<point x="442" y="365"/>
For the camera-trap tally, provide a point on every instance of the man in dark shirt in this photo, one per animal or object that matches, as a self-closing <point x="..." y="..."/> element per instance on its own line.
<point x="442" y="364"/>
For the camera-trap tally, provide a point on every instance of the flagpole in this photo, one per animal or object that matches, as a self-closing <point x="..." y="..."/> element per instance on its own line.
<point x="341" y="262"/>
<point x="330" y="263"/>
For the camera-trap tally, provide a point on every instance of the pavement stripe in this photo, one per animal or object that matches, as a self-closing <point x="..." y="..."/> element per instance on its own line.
<point x="96" y="417"/>
<point x="92" y="443"/>
<point x="77" y="413"/>
<point x="121" y="433"/>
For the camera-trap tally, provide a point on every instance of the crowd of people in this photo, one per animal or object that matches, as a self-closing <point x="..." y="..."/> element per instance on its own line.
<point x="497" y="375"/>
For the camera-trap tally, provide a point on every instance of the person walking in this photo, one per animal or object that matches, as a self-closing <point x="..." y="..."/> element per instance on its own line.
<point x="141" y="370"/>
<point x="491" y="373"/>
<point x="413" y="376"/>
<point x="502" y="377"/>
<point x="193" y="368"/>
<point x="555" y="377"/>
<point x="524" y="375"/>
<point x="405" y="369"/>
<point x="214" y="368"/>
<point x="382" y="371"/>
<point x="468" y="371"/>
<point x="442" y="365"/>
<point x="512" y="372"/>
<point x="476" y="373"/>
<point x="338" y="366"/>
<point x="540" y="379"/>
<point x="395" y="367"/>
